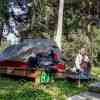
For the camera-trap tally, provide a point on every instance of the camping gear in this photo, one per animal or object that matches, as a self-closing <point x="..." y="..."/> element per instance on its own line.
<point x="28" y="55"/>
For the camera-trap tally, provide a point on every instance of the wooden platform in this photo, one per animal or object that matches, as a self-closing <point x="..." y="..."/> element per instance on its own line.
<point x="18" y="71"/>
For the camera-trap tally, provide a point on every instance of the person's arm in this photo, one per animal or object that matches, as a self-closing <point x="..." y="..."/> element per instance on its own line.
<point x="87" y="59"/>
<point x="77" y="62"/>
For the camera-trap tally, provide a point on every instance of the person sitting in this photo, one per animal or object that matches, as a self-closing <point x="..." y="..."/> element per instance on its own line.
<point x="32" y="61"/>
<point x="82" y="63"/>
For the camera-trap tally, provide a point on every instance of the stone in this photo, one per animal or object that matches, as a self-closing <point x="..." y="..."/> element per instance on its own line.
<point x="85" y="96"/>
<point x="95" y="87"/>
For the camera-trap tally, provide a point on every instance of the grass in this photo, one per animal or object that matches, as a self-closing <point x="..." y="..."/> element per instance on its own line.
<point x="13" y="89"/>
<point x="96" y="73"/>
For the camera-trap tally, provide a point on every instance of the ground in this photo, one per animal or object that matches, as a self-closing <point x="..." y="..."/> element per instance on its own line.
<point x="21" y="89"/>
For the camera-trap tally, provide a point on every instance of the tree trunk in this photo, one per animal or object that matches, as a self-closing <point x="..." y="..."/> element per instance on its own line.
<point x="33" y="15"/>
<point x="60" y="24"/>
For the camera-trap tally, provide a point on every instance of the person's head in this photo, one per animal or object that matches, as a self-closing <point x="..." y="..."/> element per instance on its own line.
<point x="83" y="51"/>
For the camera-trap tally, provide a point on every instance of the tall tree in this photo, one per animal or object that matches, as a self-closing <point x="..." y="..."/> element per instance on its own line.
<point x="60" y="24"/>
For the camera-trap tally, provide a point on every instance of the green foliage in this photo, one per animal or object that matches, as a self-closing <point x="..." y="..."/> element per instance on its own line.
<point x="3" y="9"/>
<point x="79" y="23"/>
<point x="3" y="46"/>
<point x="44" y="16"/>
<point x="97" y="46"/>
<point x="96" y="72"/>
